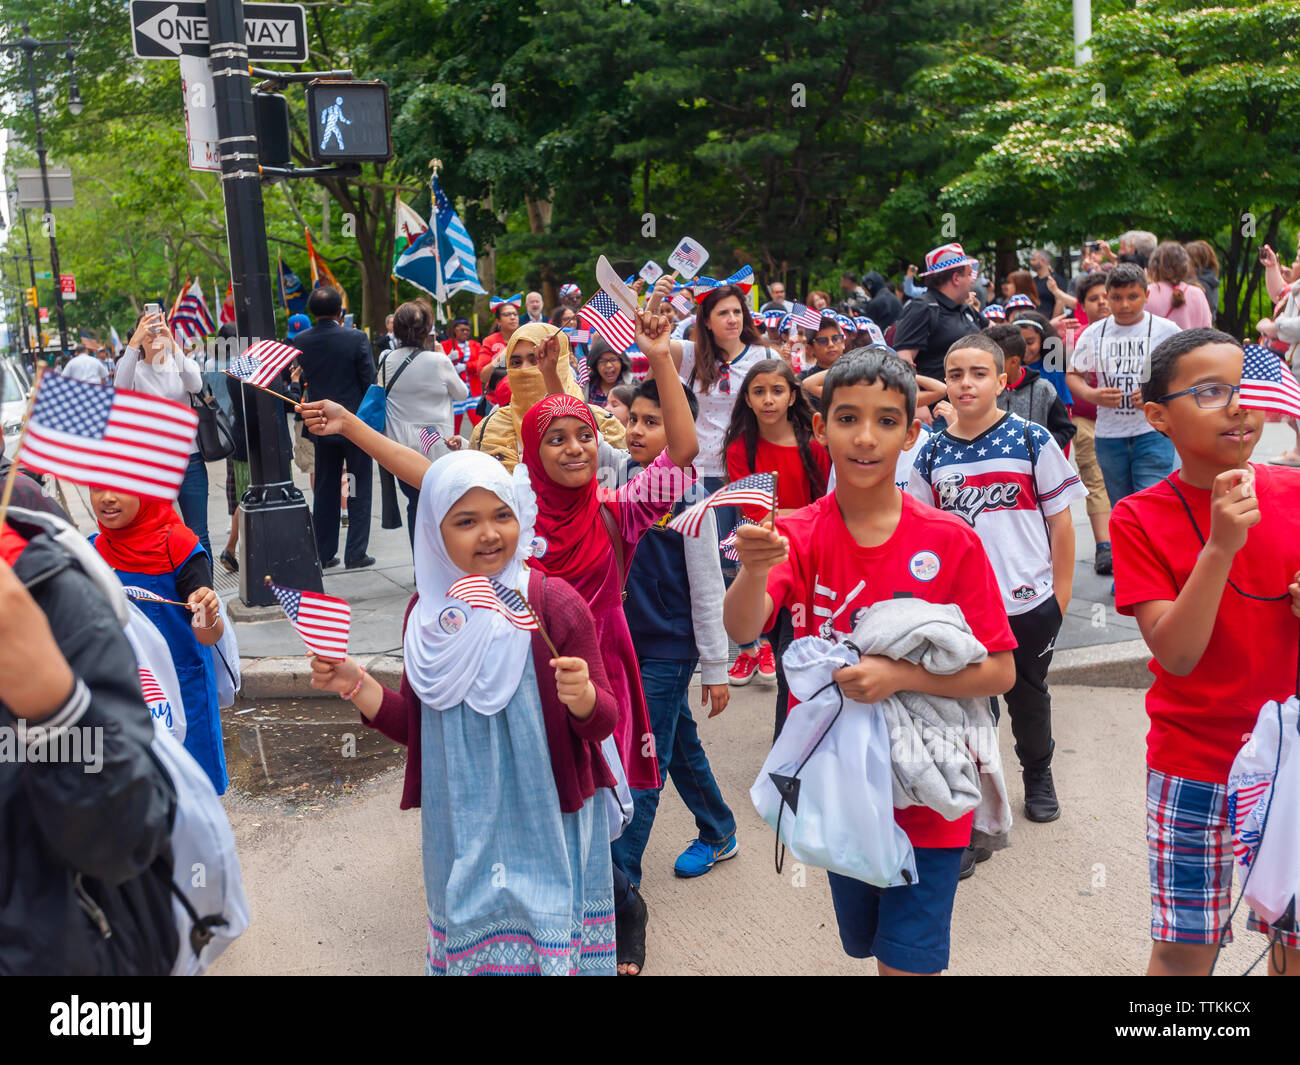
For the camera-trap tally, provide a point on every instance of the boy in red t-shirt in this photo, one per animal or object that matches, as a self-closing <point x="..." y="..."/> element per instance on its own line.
<point x="1207" y="562"/>
<point x="862" y="543"/>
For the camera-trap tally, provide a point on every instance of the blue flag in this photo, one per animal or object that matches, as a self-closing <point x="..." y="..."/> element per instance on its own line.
<point x="291" y="291"/>
<point x="445" y="243"/>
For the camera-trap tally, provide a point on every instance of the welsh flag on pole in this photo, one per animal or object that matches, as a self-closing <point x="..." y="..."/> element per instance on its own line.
<point x="409" y="226"/>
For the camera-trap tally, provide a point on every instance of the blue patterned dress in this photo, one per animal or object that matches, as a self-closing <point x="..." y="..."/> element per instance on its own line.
<point x="514" y="886"/>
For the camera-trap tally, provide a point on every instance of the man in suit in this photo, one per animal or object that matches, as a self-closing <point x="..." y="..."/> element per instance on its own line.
<point x="336" y="364"/>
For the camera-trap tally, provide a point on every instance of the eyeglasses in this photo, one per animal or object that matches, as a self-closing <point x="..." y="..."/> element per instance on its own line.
<point x="834" y="338"/>
<point x="1208" y="396"/>
<point x="609" y="362"/>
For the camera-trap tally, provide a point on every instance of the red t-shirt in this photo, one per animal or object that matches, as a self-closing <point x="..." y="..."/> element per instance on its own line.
<point x="933" y="556"/>
<point x="1199" y="722"/>
<point x="792" y="488"/>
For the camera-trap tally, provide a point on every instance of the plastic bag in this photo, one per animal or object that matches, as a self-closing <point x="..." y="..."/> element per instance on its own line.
<point x="154" y="658"/>
<point x="225" y="662"/>
<point x="618" y="799"/>
<point x="208" y="899"/>
<point x="826" y="787"/>
<point x="1264" y="810"/>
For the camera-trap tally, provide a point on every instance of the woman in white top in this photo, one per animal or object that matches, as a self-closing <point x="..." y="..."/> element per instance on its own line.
<point x="154" y="364"/>
<point x="421" y="387"/>
<point x="713" y="365"/>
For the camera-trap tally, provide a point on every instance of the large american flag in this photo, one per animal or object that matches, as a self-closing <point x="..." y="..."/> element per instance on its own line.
<point x="108" y="437"/>
<point x="756" y="490"/>
<point x="1267" y="383"/>
<point x="262" y="363"/>
<point x="321" y="620"/>
<point x="606" y="317"/>
<point x="477" y="590"/>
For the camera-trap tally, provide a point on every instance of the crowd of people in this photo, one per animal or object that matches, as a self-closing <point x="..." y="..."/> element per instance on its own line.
<point x="926" y="440"/>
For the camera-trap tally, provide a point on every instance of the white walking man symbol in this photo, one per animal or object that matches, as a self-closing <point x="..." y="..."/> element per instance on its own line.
<point x="331" y="117"/>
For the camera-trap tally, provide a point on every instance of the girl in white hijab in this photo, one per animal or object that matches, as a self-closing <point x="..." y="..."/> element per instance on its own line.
<point x="503" y="740"/>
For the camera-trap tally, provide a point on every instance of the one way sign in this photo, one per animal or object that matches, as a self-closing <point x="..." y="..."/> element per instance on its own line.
<point x="169" y="29"/>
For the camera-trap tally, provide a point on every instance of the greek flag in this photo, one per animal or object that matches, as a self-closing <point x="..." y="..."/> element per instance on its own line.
<point x="445" y="243"/>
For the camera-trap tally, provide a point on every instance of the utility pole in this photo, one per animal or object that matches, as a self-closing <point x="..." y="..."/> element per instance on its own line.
<point x="275" y="534"/>
<point x="1082" y="32"/>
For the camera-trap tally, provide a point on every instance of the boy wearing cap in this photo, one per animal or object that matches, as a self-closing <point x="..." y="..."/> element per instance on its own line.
<point x="929" y="325"/>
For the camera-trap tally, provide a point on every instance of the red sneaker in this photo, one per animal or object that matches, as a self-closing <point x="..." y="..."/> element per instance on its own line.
<point x="742" y="669"/>
<point x="766" y="662"/>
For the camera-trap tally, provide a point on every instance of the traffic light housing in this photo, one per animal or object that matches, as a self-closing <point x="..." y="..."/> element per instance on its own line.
<point x="271" y="116"/>
<point x="32" y="301"/>
<point x="348" y="121"/>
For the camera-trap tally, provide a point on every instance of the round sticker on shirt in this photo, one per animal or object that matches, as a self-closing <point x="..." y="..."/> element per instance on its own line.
<point x="924" y="565"/>
<point x="452" y="620"/>
<point x="539" y="546"/>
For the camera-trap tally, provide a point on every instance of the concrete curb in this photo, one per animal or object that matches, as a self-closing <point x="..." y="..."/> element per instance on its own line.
<point x="1107" y="665"/>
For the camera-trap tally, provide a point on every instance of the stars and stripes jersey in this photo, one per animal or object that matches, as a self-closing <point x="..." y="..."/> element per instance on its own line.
<point x="829" y="579"/>
<point x="1004" y="484"/>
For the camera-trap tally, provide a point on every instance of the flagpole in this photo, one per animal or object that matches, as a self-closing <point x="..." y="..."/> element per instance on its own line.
<point x="438" y="297"/>
<point x="13" y="466"/>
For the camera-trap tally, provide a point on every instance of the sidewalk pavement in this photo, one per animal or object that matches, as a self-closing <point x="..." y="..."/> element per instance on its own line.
<point x="1096" y="646"/>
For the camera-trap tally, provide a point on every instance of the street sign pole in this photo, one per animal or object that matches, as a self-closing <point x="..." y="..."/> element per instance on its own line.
<point x="276" y="537"/>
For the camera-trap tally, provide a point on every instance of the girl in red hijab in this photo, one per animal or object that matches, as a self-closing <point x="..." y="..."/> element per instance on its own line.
<point x="150" y="547"/>
<point x="587" y="535"/>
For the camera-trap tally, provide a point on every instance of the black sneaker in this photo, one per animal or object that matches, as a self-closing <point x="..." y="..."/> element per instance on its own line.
<point x="1101" y="563"/>
<point x="361" y="563"/>
<point x="330" y="563"/>
<point x="970" y="857"/>
<point x="1040" y="795"/>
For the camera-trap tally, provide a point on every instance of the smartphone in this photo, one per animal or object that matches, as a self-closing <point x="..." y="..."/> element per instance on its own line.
<point x="154" y="308"/>
<point x="347" y="321"/>
<point x="1093" y="245"/>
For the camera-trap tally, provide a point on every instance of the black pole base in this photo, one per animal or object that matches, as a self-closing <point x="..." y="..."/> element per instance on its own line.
<point x="276" y="539"/>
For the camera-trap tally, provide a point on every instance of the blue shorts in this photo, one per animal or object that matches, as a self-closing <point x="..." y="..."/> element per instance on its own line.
<point x="905" y="927"/>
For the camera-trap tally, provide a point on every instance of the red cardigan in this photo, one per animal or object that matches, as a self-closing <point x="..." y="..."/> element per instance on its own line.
<point x="576" y="761"/>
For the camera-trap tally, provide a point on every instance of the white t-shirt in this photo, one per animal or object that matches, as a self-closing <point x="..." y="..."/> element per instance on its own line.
<point x="715" y="405"/>
<point x="997" y="487"/>
<point x="422" y="396"/>
<point x="1120" y="356"/>
<point x="86" y="368"/>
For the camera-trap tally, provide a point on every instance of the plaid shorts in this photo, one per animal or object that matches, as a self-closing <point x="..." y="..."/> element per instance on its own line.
<point x="1189" y="851"/>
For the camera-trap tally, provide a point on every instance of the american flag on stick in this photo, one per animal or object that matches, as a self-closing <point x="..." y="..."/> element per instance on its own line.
<point x="108" y="437"/>
<point x="1267" y="383"/>
<point x="150" y="597"/>
<point x="581" y="371"/>
<point x="428" y="437"/>
<point x="480" y="591"/>
<point x="321" y="620"/>
<point x="262" y="363"/>
<point x="604" y="315"/>
<point x="756" y="490"/>
<point x="805" y="316"/>
<point x="728" y="544"/>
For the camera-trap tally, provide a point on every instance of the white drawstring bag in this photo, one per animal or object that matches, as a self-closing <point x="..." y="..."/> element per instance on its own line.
<point x="1264" y="810"/>
<point x="826" y="787"/>
<point x="618" y="799"/>
<point x="154" y="659"/>
<point x="208" y="900"/>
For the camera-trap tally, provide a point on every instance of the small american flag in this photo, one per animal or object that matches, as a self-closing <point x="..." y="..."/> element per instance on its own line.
<point x="681" y="302"/>
<point x="1267" y="383"/>
<point x="262" y="363"/>
<point x="321" y="620"/>
<point x="578" y="336"/>
<point x="109" y="437"/>
<point x="728" y="545"/>
<point x="604" y="315"/>
<point x="756" y="490"/>
<point x="142" y="593"/>
<point x="582" y="371"/>
<point x="428" y="437"/>
<point x="477" y="590"/>
<point x="153" y="692"/>
<point x="806" y="316"/>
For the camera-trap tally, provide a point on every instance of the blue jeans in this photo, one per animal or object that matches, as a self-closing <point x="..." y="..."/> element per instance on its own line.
<point x="193" y="500"/>
<point x="677" y="745"/>
<point x="1132" y="463"/>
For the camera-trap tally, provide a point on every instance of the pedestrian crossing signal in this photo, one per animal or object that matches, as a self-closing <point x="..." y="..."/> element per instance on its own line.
<point x="348" y="121"/>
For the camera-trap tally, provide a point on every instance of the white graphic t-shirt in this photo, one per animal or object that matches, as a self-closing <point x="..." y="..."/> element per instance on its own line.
<point x="1120" y="356"/>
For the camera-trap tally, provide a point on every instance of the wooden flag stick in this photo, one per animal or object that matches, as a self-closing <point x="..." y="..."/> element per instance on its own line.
<point x="18" y="447"/>
<point x="775" y="479"/>
<point x="541" y="628"/>
<point x="292" y="402"/>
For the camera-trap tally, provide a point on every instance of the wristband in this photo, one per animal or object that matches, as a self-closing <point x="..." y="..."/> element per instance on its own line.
<point x="360" y="680"/>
